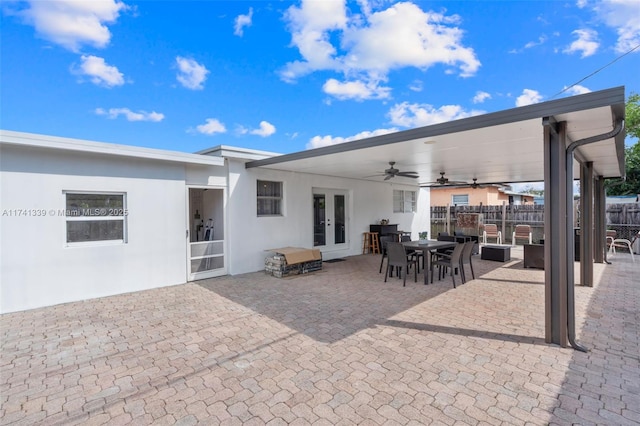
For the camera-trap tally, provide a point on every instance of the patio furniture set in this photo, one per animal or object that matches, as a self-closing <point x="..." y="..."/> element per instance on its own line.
<point x="449" y="256"/>
<point x="451" y="252"/>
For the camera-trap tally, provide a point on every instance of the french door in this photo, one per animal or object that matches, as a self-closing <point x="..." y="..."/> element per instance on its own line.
<point x="330" y="218"/>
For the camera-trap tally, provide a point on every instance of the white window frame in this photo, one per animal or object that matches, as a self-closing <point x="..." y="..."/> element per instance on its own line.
<point x="97" y="215"/>
<point x="270" y="197"/>
<point x="405" y="201"/>
<point x="464" y="203"/>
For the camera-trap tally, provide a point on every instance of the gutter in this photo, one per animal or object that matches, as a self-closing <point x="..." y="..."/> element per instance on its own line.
<point x="571" y="309"/>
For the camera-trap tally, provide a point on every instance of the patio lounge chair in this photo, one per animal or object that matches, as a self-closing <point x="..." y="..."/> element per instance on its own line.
<point x="522" y="232"/>
<point x="611" y="235"/>
<point x="624" y="243"/>
<point x="491" y="231"/>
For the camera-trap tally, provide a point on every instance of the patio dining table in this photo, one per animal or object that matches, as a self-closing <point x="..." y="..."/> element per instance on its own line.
<point x="427" y="247"/>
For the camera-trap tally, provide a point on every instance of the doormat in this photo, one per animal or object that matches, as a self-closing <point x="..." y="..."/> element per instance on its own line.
<point x="334" y="260"/>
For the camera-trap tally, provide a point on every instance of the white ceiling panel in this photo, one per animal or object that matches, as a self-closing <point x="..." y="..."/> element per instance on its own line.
<point x="499" y="147"/>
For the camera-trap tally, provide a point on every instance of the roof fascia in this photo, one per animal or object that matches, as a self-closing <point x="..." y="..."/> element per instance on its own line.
<point x="237" y="153"/>
<point x="585" y="101"/>
<point x="8" y="137"/>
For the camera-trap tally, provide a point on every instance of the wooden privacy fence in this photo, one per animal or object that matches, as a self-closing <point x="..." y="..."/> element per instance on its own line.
<point x="624" y="218"/>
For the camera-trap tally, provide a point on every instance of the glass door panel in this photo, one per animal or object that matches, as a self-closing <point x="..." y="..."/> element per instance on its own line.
<point x="319" y="215"/>
<point x="339" y="219"/>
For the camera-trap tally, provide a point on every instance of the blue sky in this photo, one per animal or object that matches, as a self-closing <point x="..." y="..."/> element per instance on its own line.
<point x="288" y="76"/>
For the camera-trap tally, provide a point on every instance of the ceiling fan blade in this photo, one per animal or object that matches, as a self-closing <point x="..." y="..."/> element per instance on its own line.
<point x="388" y="177"/>
<point x="408" y="174"/>
<point x="439" y="185"/>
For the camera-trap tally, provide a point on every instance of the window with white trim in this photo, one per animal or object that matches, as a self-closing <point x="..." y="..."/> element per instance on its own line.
<point x="95" y="216"/>
<point x="404" y="201"/>
<point x="460" y="200"/>
<point x="269" y="198"/>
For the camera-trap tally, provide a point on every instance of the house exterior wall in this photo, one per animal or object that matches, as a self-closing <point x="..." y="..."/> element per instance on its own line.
<point x="38" y="268"/>
<point x="488" y="196"/>
<point x="252" y="236"/>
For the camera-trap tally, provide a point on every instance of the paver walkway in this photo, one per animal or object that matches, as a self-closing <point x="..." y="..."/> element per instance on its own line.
<point x="335" y="347"/>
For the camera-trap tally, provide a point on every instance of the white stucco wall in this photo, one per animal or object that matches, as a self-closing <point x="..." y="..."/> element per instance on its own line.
<point x="251" y="236"/>
<point x="38" y="268"/>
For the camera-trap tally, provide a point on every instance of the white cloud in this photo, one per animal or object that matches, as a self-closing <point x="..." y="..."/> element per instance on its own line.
<point x="190" y="73"/>
<point x="320" y="141"/>
<point x="99" y="72"/>
<point x="358" y="90"/>
<point x="404" y="35"/>
<point x="73" y="23"/>
<point x="266" y="129"/>
<point x="241" y="22"/>
<point x="541" y="40"/>
<point x="211" y="127"/>
<point x="417" y="115"/>
<point x="577" y="90"/>
<point x="531" y="44"/>
<point x="621" y="15"/>
<point x="114" y="113"/>
<point x="587" y="43"/>
<point x="416" y="86"/>
<point x="480" y="97"/>
<point x="373" y="44"/>
<point x="528" y="97"/>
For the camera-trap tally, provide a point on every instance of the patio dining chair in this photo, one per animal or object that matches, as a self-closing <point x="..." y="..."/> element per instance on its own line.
<point x="397" y="257"/>
<point x="384" y="239"/>
<point x="446" y="262"/>
<point x="522" y="232"/>
<point x="467" y="254"/>
<point x="491" y="231"/>
<point x="413" y="254"/>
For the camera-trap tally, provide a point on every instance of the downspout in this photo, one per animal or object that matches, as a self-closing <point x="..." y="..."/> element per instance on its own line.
<point x="571" y="308"/>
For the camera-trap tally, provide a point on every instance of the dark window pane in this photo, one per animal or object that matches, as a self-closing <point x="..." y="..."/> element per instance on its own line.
<point x="94" y="230"/>
<point x="268" y="207"/>
<point x="95" y="204"/>
<point x="269" y="189"/>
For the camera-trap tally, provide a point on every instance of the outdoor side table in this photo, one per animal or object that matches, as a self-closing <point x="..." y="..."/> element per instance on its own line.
<point x="497" y="253"/>
<point x="534" y="256"/>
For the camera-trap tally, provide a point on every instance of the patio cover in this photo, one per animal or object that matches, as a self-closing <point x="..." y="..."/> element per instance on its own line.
<point x="524" y="144"/>
<point x="500" y="147"/>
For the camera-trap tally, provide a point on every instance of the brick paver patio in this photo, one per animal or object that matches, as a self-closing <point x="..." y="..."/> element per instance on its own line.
<point x="335" y="347"/>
